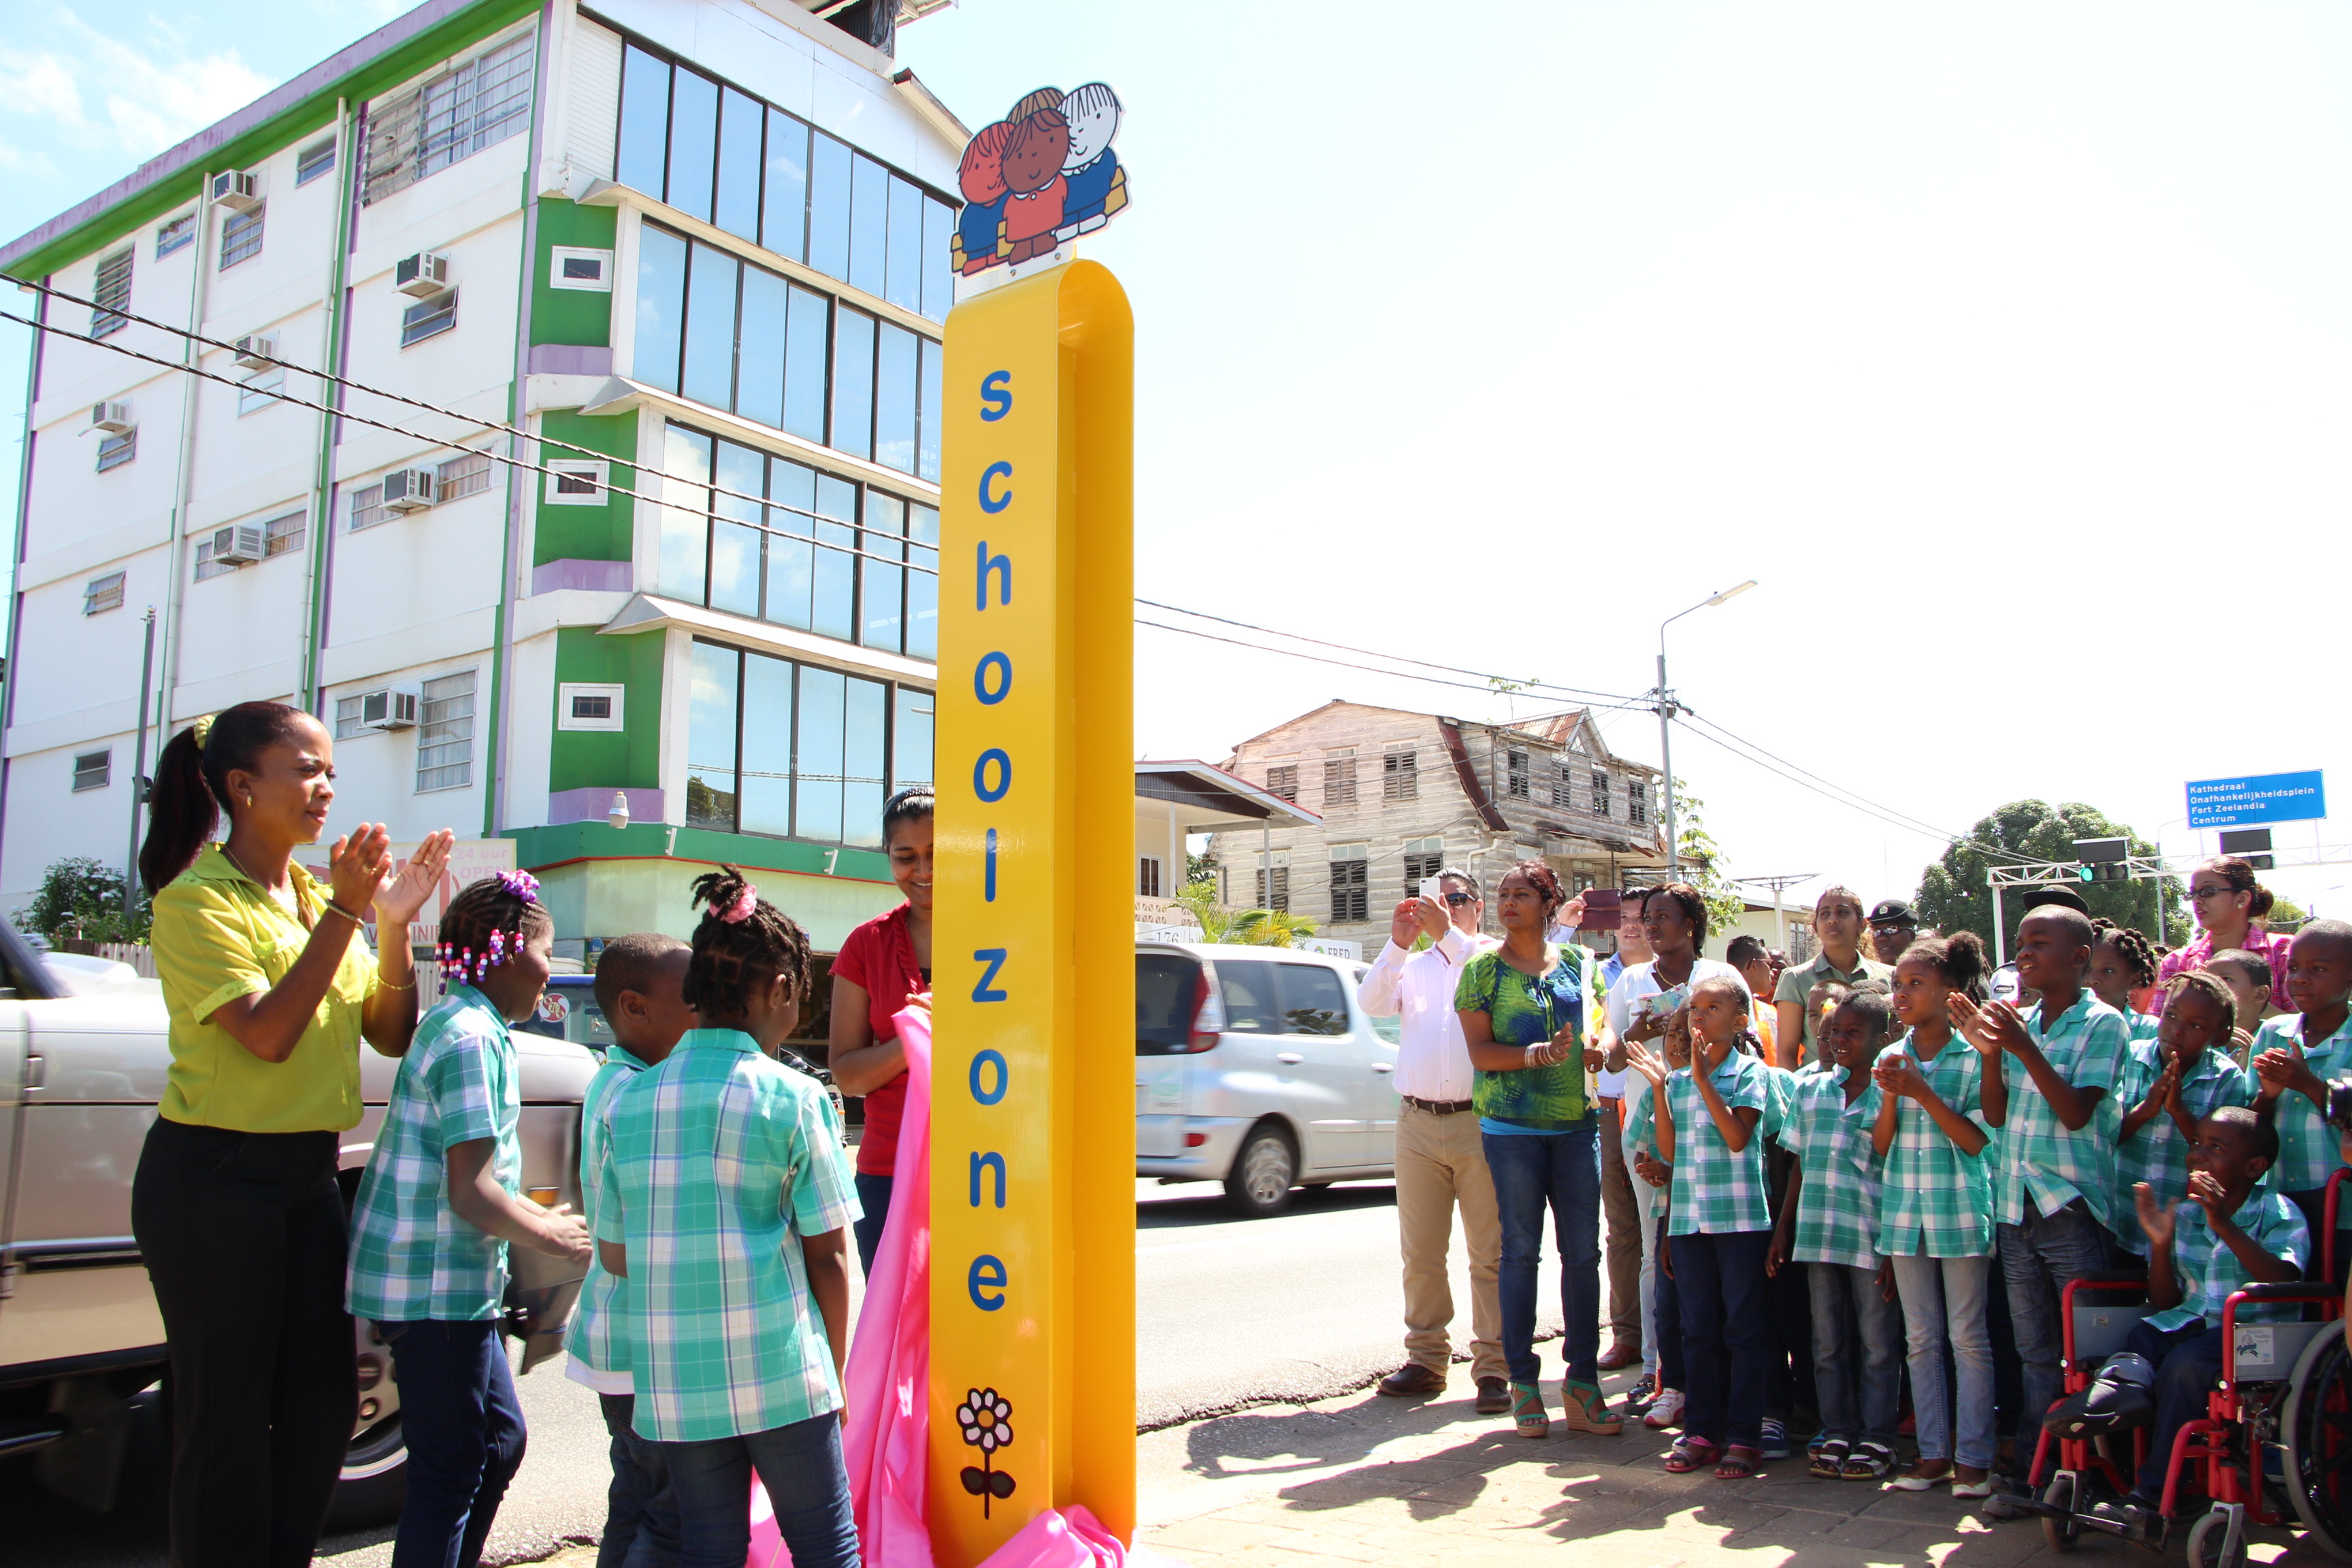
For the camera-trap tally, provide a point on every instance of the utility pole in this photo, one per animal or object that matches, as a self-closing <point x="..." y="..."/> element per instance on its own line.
<point x="1667" y="707"/>
<point x="139" y="773"/>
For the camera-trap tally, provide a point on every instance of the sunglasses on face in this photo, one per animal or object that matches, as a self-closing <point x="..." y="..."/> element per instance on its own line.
<point x="1458" y="899"/>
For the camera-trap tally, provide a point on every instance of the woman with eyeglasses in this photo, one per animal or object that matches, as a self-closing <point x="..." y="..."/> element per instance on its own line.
<point x="2230" y="905"/>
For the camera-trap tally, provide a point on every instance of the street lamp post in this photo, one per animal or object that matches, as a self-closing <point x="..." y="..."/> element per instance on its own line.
<point x="139" y="773"/>
<point x="1665" y="711"/>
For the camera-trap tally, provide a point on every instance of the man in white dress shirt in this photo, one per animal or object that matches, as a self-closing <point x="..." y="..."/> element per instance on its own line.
<point x="1441" y="1161"/>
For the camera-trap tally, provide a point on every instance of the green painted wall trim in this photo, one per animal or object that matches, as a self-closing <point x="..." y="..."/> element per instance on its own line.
<point x="571" y="315"/>
<point x="606" y="533"/>
<point x="387" y="70"/>
<point x="626" y="758"/>
<point x="539" y="848"/>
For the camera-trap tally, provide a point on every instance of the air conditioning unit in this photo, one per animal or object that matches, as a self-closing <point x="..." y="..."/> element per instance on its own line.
<point x="240" y="191"/>
<point x="114" y="418"/>
<point x="393" y="708"/>
<point x="240" y="544"/>
<point x="423" y="275"/>
<point x="408" y="490"/>
<point x="257" y="351"/>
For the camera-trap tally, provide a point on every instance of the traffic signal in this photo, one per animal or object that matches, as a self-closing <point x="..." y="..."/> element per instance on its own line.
<point x="2101" y="859"/>
<point x="2253" y="843"/>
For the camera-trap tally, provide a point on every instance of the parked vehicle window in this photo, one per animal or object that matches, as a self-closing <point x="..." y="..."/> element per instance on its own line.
<point x="1165" y="985"/>
<point x="1249" y="996"/>
<point x="1313" y="1002"/>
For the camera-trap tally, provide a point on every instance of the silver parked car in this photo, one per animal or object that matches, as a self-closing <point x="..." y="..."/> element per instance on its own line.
<point x="83" y="1054"/>
<point x="1255" y="1067"/>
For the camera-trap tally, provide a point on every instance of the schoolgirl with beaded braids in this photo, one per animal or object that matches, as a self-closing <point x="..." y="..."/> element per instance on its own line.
<point x="2123" y="966"/>
<point x="440" y="1202"/>
<point x="725" y="1202"/>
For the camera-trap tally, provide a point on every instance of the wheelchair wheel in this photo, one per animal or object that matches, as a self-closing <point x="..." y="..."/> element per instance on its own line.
<point x="2059" y="1528"/>
<point x="2316" y="1425"/>
<point x="2207" y="1543"/>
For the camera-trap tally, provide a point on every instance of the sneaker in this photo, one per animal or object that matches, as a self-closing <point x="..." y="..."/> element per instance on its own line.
<point x="1667" y="1412"/>
<point x="1643" y="1395"/>
<point x="1585" y="1408"/>
<point x="1774" y="1443"/>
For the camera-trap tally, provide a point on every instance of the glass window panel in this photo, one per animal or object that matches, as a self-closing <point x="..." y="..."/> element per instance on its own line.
<point x="804" y="349"/>
<point x="869" y="224"/>
<point x="661" y="306"/>
<point x="939" y="273"/>
<point x="740" y="469"/>
<point x="852" y="382"/>
<point x="818" y="748"/>
<point x="783" y="222"/>
<point x="835" y="591"/>
<point x="709" y="371"/>
<point x="910" y="747"/>
<point x="760" y="376"/>
<point x="735" y="545"/>
<point x="693" y="142"/>
<point x="882" y="603"/>
<point x="767" y="745"/>
<point x="934" y="414"/>
<point x="710" y="774"/>
<point x="645" y="122"/>
<point x="828" y="233"/>
<point x="923" y="586"/>
<point x="894" y="398"/>
<point x="904" y="280"/>
<point x="864" y="727"/>
<point x="791" y="559"/>
<point x="737" y="209"/>
<point x="685" y="531"/>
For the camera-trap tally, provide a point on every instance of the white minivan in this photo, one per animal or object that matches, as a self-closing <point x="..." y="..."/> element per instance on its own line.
<point x="1257" y="1066"/>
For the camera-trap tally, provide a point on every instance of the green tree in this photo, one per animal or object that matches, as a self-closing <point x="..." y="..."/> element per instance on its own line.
<point x="1955" y="896"/>
<point x="82" y="898"/>
<point x="2284" y="913"/>
<point x="1252" y="928"/>
<point x="1703" y="862"/>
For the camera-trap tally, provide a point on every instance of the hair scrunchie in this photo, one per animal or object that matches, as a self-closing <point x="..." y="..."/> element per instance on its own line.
<point x="740" y="910"/>
<point x="202" y="729"/>
<point x="521" y="884"/>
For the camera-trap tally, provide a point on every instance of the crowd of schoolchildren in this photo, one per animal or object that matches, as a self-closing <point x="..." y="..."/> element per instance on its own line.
<point x="1935" y="1165"/>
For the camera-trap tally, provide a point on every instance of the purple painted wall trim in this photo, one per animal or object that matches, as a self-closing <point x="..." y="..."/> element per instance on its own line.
<point x="591" y="803"/>
<point x="596" y="576"/>
<point x="570" y="359"/>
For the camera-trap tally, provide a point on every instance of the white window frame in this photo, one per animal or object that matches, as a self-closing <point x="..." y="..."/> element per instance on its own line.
<point x="253" y="393"/>
<point x="176" y="234"/>
<point x="99" y="588"/>
<point x="1150" y="875"/>
<point x="86" y="779"/>
<point x="234" y="230"/>
<point x="566" y="690"/>
<point x="367" y="500"/>
<point x="600" y="284"/>
<point x="560" y="469"/>
<point x="426" y="739"/>
<point x="317" y="159"/>
<point x="447" y="477"/>
<point x="436" y="316"/>
<point x="116" y="449"/>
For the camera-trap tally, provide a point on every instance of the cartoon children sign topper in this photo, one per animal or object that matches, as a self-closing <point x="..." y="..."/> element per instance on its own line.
<point x="1040" y="175"/>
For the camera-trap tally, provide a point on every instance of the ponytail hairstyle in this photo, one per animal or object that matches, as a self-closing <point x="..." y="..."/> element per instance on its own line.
<point x="1959" y="958"/>
<point x="743" y="942"/>
<point x="191" y="790"/>
<point x="487" y="924"/>
<point x="2239" y="873"/>
<point x="1544" y="881"/>
<point x="1694" y="907"/>
<point x="913" y="804"/>
<point x="2133" y="944"/>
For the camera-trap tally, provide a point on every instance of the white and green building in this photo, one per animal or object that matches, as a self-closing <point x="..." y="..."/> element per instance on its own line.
<point x="708" y="237"/>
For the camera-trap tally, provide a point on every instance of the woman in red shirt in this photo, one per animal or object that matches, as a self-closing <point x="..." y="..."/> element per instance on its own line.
<point x="883" y="963"/>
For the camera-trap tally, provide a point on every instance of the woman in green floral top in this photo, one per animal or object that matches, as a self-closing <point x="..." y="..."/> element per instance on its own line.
<point x="1531" y="1015"/>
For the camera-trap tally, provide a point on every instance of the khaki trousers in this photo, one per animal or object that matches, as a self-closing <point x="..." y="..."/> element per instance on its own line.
<point x="1625" y="1227"/>
<point x="1441" y="1163"/>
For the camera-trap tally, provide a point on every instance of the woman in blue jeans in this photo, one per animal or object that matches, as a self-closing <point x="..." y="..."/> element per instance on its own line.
<point x="1531" y="1014"/>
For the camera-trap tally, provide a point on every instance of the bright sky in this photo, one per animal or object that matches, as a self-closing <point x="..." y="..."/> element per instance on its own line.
<point x="2004" y="343"/>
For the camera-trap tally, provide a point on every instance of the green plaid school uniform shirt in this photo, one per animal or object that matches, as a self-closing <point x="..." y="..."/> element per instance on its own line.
<point x="412" y="1257"/>
<point x="1717" y="1191"/>
<point x="2210" y="1273"/>
<point x="2309" y="1149"/>
<point x="599" y="1337"/>
<point x="2158" y="1153"/>
<point x="715" y="1162"/>
<point x="1837" y="1201"/>
<point x="1641" y="1134"/>
<point x="2039" y="1158"/>
<point x="1933" y="1200"/>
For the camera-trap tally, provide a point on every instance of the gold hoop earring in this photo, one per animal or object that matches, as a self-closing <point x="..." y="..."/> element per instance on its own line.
<point x="248" y="801"/>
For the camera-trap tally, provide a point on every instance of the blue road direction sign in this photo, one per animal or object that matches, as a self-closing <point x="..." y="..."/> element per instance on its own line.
<point x="2263" y="797"/>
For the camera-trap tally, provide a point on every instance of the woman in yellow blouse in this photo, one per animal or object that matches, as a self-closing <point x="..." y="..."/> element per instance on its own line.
<point x="235" y="1205"/>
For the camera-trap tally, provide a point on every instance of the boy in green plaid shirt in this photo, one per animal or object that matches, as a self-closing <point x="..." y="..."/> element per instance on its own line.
<point x="2170" y="1084"/>
<point x="2293" y="1057"/>
<point x="726" y="1203"/>
<point x="1829" y="1225"/>
<point x="436" y="1208"/>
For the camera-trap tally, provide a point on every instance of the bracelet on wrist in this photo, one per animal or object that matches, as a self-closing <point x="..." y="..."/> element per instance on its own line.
<point x="335" y="909"/>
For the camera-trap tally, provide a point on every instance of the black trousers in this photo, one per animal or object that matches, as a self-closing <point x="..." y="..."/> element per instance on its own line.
<point x="243" y="1234"/>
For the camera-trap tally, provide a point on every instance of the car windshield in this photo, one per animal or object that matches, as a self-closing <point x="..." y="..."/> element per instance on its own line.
<point x="567" y="1010"/>
<point x="1166" y="985"/>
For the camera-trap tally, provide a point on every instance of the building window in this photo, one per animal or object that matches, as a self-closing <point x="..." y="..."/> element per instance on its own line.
<point x="1600" y="793"/>
<point x="1281" y="782"/>
<point x="1423" y="858"/>
<point x="113" y="292"/>
<point x="116" y="448"/>
<point x="727" y="333"/>
<point x="1561" y="781"/>
<point x="767" y="177"/>
<point x="101" y="594"/>
<point x="574" y="483"/>
<point x="478" y="105"/>
<point x="256" y="390"/>
<point x="444" y="733"/>
<point x="573" y="267"/>
<point x="1278" y="895"/>
<point x="205" y="565"/>
<point x="93" y="770"/>
<point x="368" y="508"/>
<point x="346" y="717"/>
<point x="582" y="705"/>
<point x="798" y="751"/>
<point x="1516" y="776"/>
<point x="824" y="555"/>
<point x="1147" y="876"/>
<point x="1339" y="780"/>
<point x="283" y="535"/>
<point x="462" y="477"/>
<point x="1637" y="802"/>
<point x="1351" y="889"/>
<point x="177" y="235"/>
<point x="314" y="161"/>
<point x="241" y="236"/>
<point x="429" y="318"/>
<point x="1400" y="775"/>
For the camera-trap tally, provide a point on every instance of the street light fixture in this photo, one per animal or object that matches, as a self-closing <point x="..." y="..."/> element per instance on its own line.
<point x="1665" y="711"/>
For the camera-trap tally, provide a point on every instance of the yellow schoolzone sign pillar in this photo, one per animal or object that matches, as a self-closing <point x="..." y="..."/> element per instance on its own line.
<point x="1033" y="1131"/>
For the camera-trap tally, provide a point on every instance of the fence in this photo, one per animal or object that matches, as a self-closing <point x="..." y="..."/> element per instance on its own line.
<point x="137" y="954"/>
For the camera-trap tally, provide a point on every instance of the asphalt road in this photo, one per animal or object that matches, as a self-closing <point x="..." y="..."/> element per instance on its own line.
<point x="1230" y="1312"/>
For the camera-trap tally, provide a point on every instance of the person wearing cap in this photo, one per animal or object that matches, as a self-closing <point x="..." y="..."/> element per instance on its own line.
<point x="1892" y="927"/>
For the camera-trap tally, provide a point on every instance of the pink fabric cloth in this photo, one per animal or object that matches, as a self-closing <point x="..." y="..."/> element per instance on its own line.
<point x="2269" y="945"/>
<point x="1072" y="1537"/>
